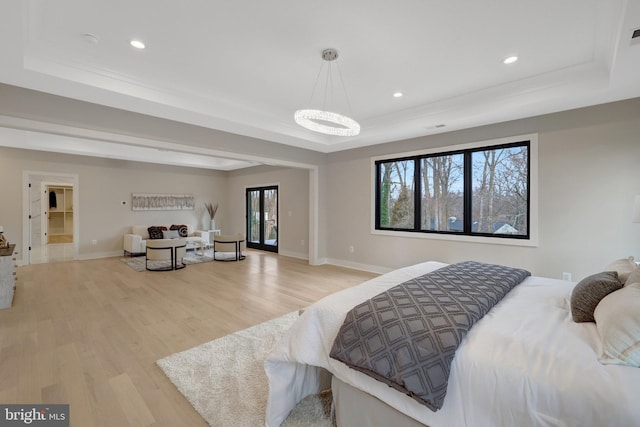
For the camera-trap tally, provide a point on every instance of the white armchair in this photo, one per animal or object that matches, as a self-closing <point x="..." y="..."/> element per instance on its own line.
<point x="134" y="244"/>
<point x="228" y="248"/>
<point x="171" y="250"/>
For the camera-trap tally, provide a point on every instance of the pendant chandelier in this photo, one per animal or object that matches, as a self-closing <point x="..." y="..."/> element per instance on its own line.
<point x="324" y="121"/>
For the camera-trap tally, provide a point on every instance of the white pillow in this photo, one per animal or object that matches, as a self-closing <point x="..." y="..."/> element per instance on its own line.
<point x="624" y="267"/>
<point x="170" y="234"/>
<point x="633" y="277"/>
<point x="618" y="323"/>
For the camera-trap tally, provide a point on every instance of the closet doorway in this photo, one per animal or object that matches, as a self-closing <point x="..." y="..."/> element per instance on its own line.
<point x="58" y="200"/>
<point x="51" y="226"/>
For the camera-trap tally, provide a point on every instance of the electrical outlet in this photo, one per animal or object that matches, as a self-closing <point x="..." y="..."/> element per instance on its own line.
<point x="302" y="242"/>
<point x="351" y="249"/>
<point x="94" y="242"/>
<point x="566" y="276"/>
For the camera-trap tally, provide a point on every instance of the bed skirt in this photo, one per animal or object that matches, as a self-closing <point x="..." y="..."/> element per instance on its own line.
<point x="354" y="407"/>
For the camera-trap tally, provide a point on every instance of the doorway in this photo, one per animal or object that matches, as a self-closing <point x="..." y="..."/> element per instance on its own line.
<point x="58" y="213"/>
<point x="50" y="229"/>
<point x="262" y="218"/>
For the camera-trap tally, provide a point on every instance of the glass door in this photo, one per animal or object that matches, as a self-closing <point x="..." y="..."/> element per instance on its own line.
<point x="262" y="218"/>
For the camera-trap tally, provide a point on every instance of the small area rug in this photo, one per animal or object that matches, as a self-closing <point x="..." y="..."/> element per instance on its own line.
<point x="192" y="257"/>
<point x="224" y="379"/>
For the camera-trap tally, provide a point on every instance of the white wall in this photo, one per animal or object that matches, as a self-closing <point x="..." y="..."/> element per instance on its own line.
<point x="293" y="193"/>
<point x="588" y="177"/>
<point x="103" y="185"/>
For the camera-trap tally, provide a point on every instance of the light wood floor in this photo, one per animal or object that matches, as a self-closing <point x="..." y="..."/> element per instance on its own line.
<point x="88" y="333"/>
<point x="61" y="238"/>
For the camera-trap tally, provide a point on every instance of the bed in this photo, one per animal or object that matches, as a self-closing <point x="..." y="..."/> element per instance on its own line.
<point x="525" y="363"/>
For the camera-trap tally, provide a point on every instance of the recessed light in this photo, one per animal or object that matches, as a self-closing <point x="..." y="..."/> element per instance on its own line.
<point x="137" y="44"/>
<point x="398" y="94"/>
<point x="511" y="60"/>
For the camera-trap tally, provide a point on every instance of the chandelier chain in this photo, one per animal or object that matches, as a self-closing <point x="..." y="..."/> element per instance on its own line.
<point x="315" y="85"/>
<point x="344" y="89"/>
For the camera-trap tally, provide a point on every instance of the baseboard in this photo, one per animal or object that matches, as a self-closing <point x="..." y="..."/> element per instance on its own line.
<point x="96" y="255"/>
<point x="20" y="261"/>
<point x="357" y="266"/>
<point x="298" y="255"/>
<point x="332" y="261"/>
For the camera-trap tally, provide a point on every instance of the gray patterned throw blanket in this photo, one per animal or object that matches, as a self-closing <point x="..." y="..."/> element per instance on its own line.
<point x="407" y="336"/>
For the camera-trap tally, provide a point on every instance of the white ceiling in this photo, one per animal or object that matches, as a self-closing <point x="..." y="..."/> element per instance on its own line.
<point x="245" y="66"/>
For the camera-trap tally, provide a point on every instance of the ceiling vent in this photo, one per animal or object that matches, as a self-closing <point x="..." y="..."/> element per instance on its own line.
<point x="438" y="126"/>
<point x="635" y="36"/>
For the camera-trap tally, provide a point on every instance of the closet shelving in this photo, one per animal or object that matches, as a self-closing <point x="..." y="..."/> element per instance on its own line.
<point x="60" y="215"/>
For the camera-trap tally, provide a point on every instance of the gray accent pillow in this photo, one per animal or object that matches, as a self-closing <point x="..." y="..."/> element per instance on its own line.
<point x="589" y="292"/>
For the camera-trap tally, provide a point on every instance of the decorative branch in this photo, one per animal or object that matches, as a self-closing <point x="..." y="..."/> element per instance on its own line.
<point x="212" y="209"/>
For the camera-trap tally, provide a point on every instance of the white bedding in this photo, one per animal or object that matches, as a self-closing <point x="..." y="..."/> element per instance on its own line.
<point x="526" y="363"/>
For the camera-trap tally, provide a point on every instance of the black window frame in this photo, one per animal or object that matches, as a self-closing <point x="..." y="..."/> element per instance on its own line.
<point x="467" y="191"/>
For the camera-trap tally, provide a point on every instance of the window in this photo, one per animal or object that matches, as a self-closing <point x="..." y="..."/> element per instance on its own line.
<point x="396" y="194"/>
<point x="477" y="191"/>
<point x="500" y="191"/>
<point x="442" y="201"/>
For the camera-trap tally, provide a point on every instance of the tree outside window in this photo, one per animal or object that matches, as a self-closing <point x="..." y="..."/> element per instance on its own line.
<point x="397" y="194"/>
<point x="442" y="193"/>
<point x="500" y="190"/>
<point x="479" y="191"/>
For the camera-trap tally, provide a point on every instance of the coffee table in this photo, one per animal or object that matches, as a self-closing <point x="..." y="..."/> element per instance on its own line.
<point x="199" y="244"/>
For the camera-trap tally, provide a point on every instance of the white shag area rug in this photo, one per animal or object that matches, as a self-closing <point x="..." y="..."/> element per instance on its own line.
<point x="224" y="379"/>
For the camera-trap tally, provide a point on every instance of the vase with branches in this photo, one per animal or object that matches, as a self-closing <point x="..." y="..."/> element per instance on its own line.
<point x="212" y="208"/>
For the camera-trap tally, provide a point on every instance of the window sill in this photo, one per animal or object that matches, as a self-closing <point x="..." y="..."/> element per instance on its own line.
<point x="531" y="242"/>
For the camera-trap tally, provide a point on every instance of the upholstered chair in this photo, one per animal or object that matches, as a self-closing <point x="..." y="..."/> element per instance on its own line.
<point x="170" y="250"/>
<point x="228" y="247"/>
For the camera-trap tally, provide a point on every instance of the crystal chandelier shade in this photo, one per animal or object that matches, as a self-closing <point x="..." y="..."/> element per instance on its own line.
<point x="310" y="119"/>
<point x="322" y="120"/>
